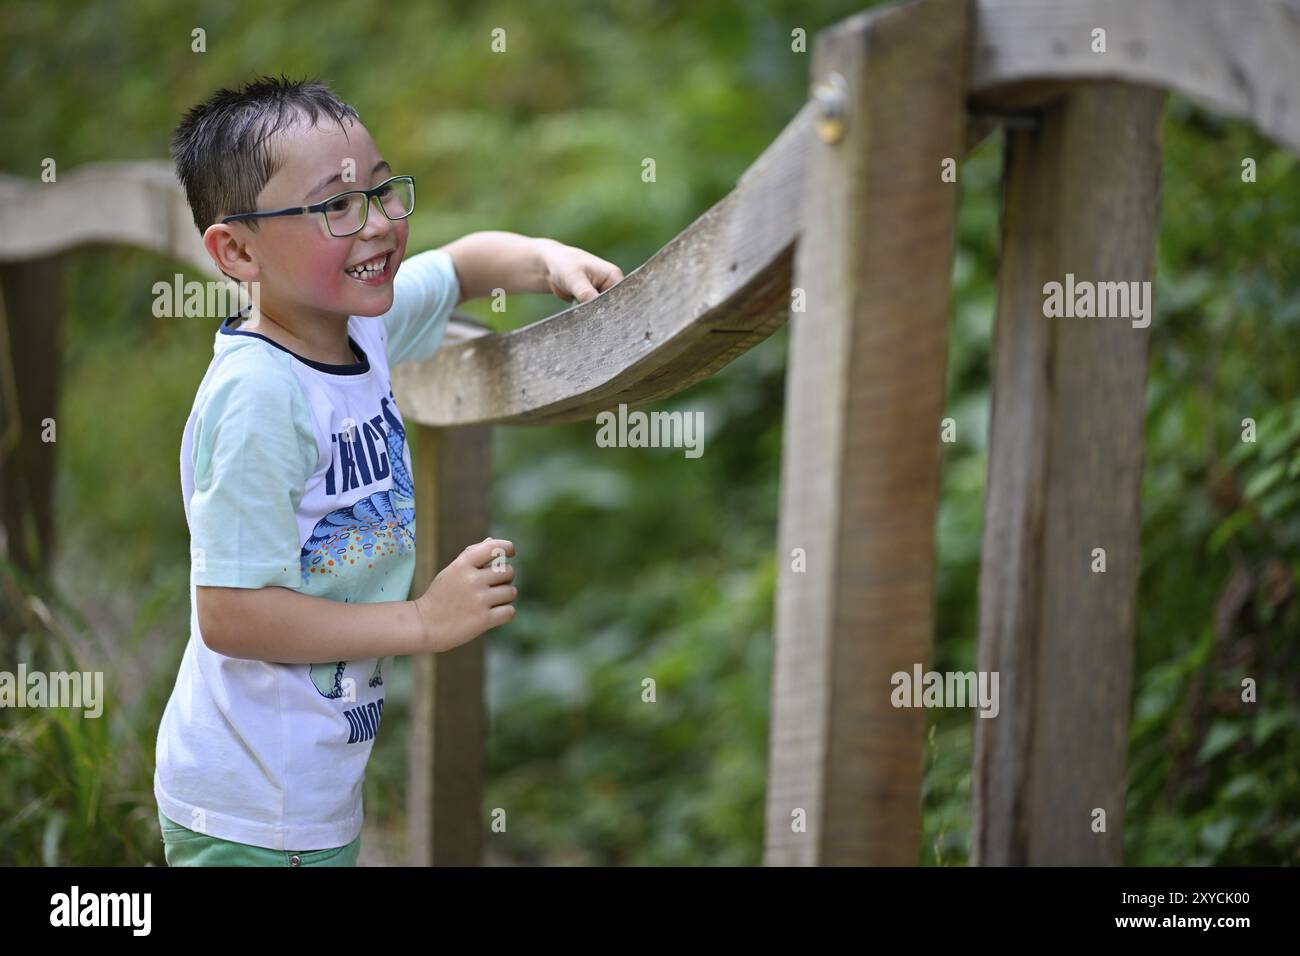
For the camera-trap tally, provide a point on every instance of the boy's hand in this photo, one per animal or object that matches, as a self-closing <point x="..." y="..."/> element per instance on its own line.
<point x="469" y="596"/>
<point x="574" y="274"/>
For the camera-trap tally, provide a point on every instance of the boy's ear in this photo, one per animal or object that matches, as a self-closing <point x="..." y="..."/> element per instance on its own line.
<point x="230" y="252"/>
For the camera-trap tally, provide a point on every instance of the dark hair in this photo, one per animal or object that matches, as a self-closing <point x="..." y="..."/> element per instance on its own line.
<point x="222" y="146"/>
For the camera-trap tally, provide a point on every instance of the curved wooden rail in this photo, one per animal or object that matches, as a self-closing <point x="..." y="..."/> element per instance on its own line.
<point x="713" y="292"/>
<point x="1241" y="57"/>
<point x="651" y="337"/>
<point x="128" y="203"/>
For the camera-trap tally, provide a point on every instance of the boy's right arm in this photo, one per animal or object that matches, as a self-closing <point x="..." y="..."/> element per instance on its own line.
<point x="253" y="449"/>
<point x="278" y="624"/>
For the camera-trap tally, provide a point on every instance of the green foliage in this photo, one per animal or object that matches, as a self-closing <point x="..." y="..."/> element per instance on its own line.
<point x="1212" y="779"/>
<point x="77" y="789"/>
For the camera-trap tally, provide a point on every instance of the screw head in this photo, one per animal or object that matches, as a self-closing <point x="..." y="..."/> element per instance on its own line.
<point x="832" y="98"/>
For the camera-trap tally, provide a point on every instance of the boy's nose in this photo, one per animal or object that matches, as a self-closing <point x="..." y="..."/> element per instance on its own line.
<point x="377" y="224"/>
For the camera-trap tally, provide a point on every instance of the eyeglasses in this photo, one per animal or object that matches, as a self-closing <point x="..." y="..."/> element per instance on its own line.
<point x="345" y="214"/>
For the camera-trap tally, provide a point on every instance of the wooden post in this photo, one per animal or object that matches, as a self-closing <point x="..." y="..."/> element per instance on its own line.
<point x="30" y="360"/>
<point x="1080" y="197"/>
<point x="860" y="462"/>
<point x="453" y="472"/>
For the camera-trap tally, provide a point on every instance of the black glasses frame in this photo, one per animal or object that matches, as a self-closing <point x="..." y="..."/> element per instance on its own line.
<point x="319" y="207"/>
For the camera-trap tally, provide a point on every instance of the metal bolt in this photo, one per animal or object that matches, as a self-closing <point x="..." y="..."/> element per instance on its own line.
<point x="832" y="98"/>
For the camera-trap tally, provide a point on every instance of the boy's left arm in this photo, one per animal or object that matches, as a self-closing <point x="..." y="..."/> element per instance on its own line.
<point x="487" y="261"/>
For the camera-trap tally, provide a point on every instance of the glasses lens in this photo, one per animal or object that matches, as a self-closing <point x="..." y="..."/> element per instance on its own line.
<point x="398" y="198"/>
<point x="346" y="214"/>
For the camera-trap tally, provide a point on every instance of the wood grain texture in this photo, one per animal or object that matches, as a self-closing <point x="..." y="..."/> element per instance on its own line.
<point x="452" y="470"/>
<point x="1080" y="196"/>
<point x="860" y="459"/>
<point x="1241" y="57"/>
<point x="713" y="292"/>
<point x="131" y="203"/>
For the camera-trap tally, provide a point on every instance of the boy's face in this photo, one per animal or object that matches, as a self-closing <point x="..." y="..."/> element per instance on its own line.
<point x="299" y="266"/>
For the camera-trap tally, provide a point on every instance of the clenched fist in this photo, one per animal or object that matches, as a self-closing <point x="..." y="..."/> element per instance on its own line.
<point x="471" y="595"/>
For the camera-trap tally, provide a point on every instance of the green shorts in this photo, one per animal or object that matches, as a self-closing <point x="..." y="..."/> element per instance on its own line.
<point x="185" y="847"/>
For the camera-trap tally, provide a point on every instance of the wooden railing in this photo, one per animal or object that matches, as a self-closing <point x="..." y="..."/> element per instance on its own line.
<point x="848" y="212"/>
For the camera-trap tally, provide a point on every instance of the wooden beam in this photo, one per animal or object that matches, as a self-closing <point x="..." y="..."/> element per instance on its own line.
<point x="444" y="806"/>
<point x="860" y="460"/>
<point x="1240" y="57"/>
<point x="31" y="311"/>
<point x="132" y="203"/>
<point x="1080" y="197"/>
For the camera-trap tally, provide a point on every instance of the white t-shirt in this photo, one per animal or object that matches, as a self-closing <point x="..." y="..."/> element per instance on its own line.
<point x="294" y="474"/>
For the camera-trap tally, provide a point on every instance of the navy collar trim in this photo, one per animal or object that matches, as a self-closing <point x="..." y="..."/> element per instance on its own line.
<point x="355" y="368"/>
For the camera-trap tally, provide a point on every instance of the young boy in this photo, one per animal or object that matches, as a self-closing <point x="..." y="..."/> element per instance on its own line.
<point x="296" y="476"/>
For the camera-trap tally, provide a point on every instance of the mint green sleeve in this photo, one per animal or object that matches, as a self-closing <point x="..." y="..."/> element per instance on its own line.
<point x="425" y="291"/>
<point x="254" y="450"/>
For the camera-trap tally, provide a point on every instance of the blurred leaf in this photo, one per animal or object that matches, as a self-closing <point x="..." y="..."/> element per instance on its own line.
<point x="1222" y="735"/>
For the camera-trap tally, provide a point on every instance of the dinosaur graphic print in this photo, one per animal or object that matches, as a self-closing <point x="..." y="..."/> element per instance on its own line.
<point x="379" y="525"/>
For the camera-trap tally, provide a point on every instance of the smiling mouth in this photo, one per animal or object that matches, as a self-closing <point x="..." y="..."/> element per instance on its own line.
<point x="372" y="271"/>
